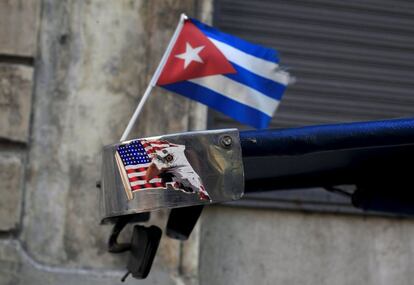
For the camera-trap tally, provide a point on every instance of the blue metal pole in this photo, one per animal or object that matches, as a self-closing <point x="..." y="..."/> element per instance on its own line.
<point x="326" y="155"/>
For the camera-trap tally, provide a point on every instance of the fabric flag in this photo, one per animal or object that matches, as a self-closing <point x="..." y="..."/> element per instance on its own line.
<point x="136" y="157"/>
<point x="233" y="76"/>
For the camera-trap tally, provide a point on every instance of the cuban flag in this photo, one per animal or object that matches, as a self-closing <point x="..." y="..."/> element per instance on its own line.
<point x="233" y="76"/>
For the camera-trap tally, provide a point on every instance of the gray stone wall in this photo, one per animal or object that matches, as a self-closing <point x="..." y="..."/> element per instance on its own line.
<point x="18" y="27"/>
<point x="244" y="246"/>
<point x="71" y="74"/>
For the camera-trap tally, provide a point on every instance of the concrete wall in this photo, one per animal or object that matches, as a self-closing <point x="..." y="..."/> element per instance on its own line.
<point x="71" y="74"/>
<point x="244" y="246"/>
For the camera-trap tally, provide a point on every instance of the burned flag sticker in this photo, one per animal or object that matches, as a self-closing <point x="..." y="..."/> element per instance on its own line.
<point x="157" y="164"/>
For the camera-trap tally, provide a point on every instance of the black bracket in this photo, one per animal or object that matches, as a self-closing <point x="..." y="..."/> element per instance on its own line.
<point x="143" y="246"/>
<point x="145" y="240"/>
<point x="181" y="221"/>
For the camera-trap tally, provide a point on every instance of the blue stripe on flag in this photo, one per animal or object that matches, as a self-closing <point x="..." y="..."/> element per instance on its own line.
<point x="268" y="87"/>
<point x="255" y="50"/>
<point x="234" y="109"/>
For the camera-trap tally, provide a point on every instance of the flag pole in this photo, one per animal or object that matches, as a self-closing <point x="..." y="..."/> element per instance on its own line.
<point x="154" y="78"/>
<point x="124" y="176"/>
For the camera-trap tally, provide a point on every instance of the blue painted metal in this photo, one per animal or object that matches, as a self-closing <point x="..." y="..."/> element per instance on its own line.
<point x="375" y="156"/>
<point x="335" y="137"/>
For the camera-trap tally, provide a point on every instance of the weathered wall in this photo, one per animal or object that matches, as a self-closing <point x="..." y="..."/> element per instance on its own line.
<point x="18" y="27"/>
<point x="242" y="246"/>
<point x="71" y="74"/>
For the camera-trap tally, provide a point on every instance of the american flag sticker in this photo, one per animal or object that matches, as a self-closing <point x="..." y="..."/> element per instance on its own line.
<point x="157" y="164"/>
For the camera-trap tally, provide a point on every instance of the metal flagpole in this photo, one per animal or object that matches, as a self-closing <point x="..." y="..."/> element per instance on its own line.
<point x="154" y="78"/>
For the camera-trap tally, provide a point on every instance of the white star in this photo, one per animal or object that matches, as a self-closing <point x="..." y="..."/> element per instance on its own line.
<point x="190" y="54"/>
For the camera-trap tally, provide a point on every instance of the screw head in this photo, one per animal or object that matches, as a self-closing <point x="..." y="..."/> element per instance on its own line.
<point x="226" y="141"/>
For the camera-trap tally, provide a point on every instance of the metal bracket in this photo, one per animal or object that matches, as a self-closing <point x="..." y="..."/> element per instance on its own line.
<point x="195" y="168"/>
<point x="370" y="155"/>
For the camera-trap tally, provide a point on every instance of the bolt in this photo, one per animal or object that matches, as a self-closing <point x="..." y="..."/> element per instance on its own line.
<point x="226" y="141"/>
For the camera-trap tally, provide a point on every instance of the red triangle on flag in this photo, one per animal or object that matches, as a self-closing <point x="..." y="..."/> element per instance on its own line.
<point x="193" y="55"/>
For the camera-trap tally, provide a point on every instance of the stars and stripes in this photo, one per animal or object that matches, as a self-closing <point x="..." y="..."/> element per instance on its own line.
<point x="136" y="158"/>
